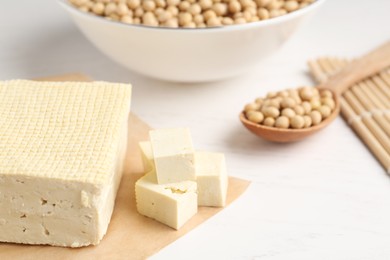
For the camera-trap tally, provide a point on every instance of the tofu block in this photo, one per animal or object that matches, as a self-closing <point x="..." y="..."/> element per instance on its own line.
<point x="147" y="156"/>
<point x="171" y="204"/>
<point x="212" y="179"/>
<point x="173" y="154"/>
<point x="62" y="147"/>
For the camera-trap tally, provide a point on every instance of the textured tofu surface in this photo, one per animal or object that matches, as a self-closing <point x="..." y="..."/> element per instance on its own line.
<point x="212" y="179"/>
<point x="172" y="204"/>
<point x="61" y="153"/>
<point x="173" y="154"/>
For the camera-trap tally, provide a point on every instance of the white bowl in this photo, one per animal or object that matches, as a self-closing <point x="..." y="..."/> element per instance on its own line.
<point x="189" y="55"/>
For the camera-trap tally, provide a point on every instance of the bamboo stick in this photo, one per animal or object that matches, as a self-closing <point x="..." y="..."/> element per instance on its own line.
<point x="365" y="116"/>
<point x="376" y="95"/>
<point x="372" y="105"/>
<point x="326" y="67"/>
<point x="382" y="86"/>
<point x="385" y="75"/>
<point x="367" y="137"/>
<point x="383" y="102"/>
<point x="359" y="107"/>
<point x="368" y="98"/>
<point x="369" y="101"/>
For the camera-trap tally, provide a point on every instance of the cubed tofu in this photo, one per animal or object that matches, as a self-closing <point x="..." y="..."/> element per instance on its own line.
<point x="212" y="179"/>
<point x="171" y="204"/>
<point x="147" y="156"/>
<point x="173" y="155"/>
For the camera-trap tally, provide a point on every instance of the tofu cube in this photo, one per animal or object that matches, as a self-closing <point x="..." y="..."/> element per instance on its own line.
<point x="212" y="179"/>
<point x="171" y="204"/>
<point x="147" y="156"/>
<point x="173" y="154"/>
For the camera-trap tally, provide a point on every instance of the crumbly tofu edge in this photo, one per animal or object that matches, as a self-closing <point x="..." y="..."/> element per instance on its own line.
<point x="37" y="213"/>
<point x="171" y="204"/>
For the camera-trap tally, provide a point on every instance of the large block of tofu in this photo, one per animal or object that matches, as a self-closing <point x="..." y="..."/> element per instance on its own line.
<point x="212" y="179"/>
<point x="173" y="155"/>
<point x="172" y="204"/>
<point x="61" y="151"/>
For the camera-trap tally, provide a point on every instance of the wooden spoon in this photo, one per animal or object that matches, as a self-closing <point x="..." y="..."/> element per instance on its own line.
<point x="357" y="70"/>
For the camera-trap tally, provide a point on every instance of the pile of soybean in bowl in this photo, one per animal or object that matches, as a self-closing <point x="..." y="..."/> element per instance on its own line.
<point x="294" y="108"/>
<point x="189" y="13"/>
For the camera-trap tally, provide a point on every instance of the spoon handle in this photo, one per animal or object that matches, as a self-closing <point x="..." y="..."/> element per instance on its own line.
<point x="369" y="64"/>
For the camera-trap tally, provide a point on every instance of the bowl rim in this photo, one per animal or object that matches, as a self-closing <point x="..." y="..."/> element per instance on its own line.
<point x="276" y="20"/>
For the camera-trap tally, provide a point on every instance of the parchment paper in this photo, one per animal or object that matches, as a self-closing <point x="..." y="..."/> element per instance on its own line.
<point x="130" y="235"/>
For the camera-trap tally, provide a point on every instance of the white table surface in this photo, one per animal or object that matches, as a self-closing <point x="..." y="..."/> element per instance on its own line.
<point x="324" y="198"/>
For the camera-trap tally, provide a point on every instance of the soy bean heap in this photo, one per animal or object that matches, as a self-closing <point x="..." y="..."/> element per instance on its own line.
<point x="189" y="13"/>
<point x="294" y="108"/>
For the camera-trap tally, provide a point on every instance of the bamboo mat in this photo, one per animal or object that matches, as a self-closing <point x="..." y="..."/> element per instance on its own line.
<point x="365" y="106"/>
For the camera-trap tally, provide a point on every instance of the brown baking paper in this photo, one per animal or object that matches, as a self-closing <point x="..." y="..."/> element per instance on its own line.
<point x="130" y="235"/>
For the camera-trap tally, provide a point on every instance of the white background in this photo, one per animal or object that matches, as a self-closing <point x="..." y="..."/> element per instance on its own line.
<point x="323" y="198"/>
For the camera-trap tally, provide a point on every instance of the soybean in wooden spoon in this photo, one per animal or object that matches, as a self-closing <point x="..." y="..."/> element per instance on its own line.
<point x="299" y="126"/>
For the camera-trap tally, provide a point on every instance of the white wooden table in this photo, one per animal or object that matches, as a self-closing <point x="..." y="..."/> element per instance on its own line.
<point x="323" y="198"/>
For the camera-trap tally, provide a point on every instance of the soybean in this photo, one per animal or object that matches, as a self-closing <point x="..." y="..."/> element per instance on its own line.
<point x="187" y="12"/>
<point x="294" y="108"/>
